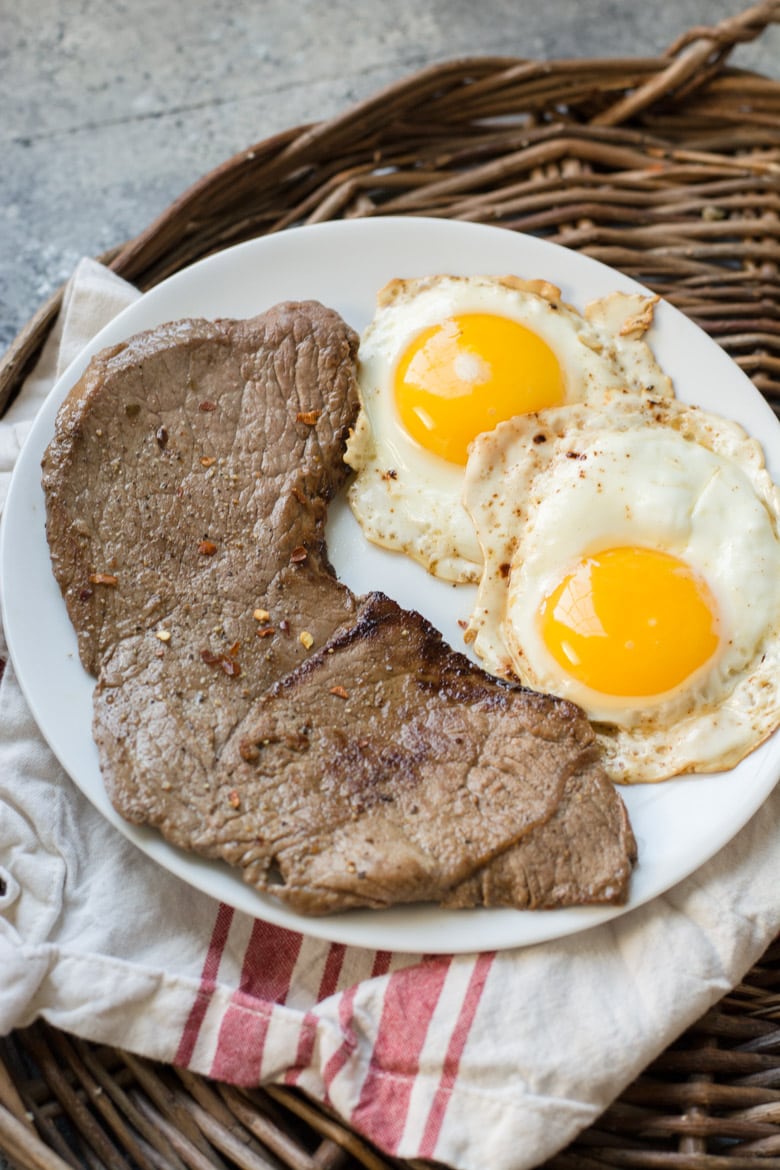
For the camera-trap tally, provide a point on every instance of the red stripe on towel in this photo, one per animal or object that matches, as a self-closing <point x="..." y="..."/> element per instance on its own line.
<point x="410" y="1001"/>
<point x="330" y="976"/>
<point x="381" y="965"/>
<point x="348" y="1044"/>
<point x="460" y="1035"/>
<point x="269" y="962"/>
<point x="208" y="982"/>
<point x="305" y="1052"/>
<point x="382" y="960"/>
<point x="328" y="984"/>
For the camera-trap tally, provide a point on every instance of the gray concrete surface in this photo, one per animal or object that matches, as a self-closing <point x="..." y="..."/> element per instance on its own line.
<point x="110" y="108"/>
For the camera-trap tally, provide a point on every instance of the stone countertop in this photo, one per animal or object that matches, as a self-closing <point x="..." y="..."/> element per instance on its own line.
<point x="111" y="108"/>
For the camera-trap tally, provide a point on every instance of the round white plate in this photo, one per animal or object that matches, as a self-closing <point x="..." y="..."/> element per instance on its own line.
<point x="678" y="825"/>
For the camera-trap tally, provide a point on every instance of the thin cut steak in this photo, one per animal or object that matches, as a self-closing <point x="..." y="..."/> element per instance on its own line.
<point x="247" y="705"/>
<point x="583" y="855"/>
<point x="388" y="768"/>
<point x="191" y="466"/>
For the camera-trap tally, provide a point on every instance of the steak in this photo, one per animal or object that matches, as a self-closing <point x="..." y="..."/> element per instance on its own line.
<point x="388" y="768"/>
<point x="247" y="705"/>
<point x="186" y="488"/>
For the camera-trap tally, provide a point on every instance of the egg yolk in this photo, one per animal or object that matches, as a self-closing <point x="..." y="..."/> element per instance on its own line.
<point x="465" y="375"/>
<point x="630" y="621"/>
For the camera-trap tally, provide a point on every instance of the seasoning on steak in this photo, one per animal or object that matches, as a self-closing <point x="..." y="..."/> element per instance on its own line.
<point x="226" y="434"/>
<point x="388" y="768"/>
<point x="247" y="705"/>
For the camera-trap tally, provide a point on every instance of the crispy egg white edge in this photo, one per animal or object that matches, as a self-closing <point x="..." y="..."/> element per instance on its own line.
<point x="407" y="499"/>
<point x="698" y="741"/>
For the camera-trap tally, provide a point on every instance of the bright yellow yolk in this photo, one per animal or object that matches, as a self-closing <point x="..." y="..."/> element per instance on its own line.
<point x="631" y="621"/>
<point x="469" y="373"/>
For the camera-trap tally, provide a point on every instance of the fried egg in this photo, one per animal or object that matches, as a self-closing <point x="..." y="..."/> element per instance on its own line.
<point x="447" y="358"/>
<point x="632" y="565"/>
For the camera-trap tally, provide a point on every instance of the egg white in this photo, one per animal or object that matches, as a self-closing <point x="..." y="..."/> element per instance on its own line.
<point x="407" y="498"/>
<point x="549" y="489"/>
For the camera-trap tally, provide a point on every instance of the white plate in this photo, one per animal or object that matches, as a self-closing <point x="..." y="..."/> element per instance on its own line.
<point x="678" y="825"/>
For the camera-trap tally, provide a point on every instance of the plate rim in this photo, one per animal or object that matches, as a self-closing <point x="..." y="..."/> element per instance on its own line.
<point x="195" y="870"/>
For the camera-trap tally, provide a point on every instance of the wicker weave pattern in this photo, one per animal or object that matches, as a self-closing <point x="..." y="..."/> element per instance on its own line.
<point x="710" y="1102"/>
<point x="667" y="168"/>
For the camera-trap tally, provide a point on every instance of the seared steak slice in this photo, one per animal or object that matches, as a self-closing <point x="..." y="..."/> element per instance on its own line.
<point x="582" y="856"/>
<point x="186" y="488"/>
<point x="388" y="768"/>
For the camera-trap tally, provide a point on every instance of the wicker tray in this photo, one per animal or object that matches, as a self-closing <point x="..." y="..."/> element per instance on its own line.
<point x="666" y="168"/>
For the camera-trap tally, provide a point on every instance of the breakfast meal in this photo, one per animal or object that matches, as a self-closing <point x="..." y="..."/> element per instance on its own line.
<point x="248" y="705"/>
<point x="446" y="358"/>
<point x="332" y="747"/>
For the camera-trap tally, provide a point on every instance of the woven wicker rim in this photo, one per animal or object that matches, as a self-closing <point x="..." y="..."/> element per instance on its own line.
<point x="668" y="168"/>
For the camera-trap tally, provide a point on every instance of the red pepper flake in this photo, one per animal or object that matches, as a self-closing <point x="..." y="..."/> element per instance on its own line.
<point x="298" y="555"/>
<point x="234" y="649"/>
<point x="223" y="661"/>
<point x="339" y="692"/>
<point x="103" y="579"/>
<point x="308" y="416"/>
<point x="85" y="594"/>
<point x="265" y="631"/>
<point x="208" y="460"/>
<point x="207" y="406"/>
<point x="207" y="548"/>
<point x="233" y="798"/>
